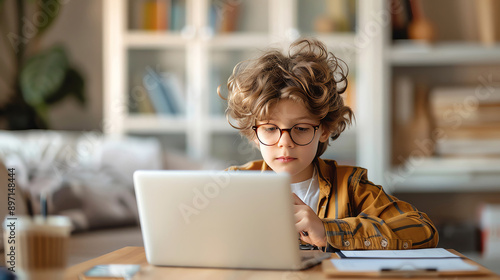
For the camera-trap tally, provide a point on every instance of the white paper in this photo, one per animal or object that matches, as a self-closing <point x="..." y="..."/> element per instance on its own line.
<point x="371" y="265"/>
<point x="400" y="254"/>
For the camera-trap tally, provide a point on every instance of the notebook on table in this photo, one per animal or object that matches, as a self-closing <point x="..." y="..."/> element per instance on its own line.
<point x="220" y="219"/>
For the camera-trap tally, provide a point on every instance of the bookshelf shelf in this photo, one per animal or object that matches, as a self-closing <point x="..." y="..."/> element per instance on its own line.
<point x="151" y="39"/>
<point x="144" y="124"/>
<point x="239" y="41"/>
<point x="414" y="54"/>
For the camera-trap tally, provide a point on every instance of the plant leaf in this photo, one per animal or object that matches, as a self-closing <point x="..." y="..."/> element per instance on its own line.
<point x="73" y="85"/>
<point x="50" y="9"/>
<point x="43" y="74"/>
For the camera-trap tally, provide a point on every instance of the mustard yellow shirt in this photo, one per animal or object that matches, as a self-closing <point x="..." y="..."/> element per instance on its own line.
<point x="357" y="214"/>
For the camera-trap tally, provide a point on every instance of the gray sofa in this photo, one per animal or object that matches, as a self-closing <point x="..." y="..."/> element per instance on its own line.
<point x="86" y="176"/>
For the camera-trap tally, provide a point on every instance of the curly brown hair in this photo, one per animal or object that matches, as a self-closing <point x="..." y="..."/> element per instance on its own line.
<point x="308" y="74"/>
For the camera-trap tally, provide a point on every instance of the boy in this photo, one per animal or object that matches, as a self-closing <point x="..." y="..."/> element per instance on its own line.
<point x="290" y="106"/>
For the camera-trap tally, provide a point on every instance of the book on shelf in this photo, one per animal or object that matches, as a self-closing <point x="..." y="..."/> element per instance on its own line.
<point x="465" y="106"/>
<point x="468" y="147"/>
<point x="480" y="131"/>
<point x="138" y="98"/>
<point x="165" y="92"/>
<point x="178" y="15"/>
<point x="142" y="101"/>
<point x="157" y="15"/>
<point x="446" y="96"/>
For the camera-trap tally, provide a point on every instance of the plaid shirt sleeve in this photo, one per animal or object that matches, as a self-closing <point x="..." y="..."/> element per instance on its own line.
<point x="366" y="217"/>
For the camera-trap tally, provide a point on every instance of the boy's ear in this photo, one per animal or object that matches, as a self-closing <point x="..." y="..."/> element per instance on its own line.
<point x="325" y="134"/>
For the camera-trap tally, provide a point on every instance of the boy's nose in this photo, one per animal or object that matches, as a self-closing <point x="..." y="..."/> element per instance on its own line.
<point x="286" y="140"/>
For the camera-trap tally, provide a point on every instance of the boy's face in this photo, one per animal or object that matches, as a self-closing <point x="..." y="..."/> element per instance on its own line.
<point x="286" y="156"/>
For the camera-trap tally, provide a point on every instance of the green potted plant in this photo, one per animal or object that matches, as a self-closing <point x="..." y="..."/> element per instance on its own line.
<point x="42" y="77"/>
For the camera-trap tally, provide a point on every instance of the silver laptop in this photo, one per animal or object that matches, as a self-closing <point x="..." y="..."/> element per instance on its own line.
<point x="220" y="219"/>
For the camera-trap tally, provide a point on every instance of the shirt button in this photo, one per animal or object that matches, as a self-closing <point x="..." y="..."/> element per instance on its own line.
<point x="347" y="243"/>
<point x="367" y="243"/>
<point x="384" y="243"/>
<point x="405" y="245"/>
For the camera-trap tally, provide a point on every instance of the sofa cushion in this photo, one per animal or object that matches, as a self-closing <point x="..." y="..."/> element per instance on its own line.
<point x="85" y="175"/>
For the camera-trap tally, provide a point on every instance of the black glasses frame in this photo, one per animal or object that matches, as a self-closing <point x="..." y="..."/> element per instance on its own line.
<point x="289" y="130"/>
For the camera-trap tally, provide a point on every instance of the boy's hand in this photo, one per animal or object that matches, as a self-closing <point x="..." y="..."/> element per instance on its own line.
<point x="308" y="224"/>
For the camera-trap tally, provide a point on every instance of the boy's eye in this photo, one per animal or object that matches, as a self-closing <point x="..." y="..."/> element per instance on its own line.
<point x="270" y="128"/>
<point x="301" y="129"/>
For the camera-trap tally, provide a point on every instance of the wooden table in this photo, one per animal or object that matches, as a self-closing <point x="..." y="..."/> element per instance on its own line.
<point x="136" y="255"/>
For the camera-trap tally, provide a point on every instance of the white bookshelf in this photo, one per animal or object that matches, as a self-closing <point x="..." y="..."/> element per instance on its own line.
<point x="433" y="174"/>
<point x="196" y="54"/>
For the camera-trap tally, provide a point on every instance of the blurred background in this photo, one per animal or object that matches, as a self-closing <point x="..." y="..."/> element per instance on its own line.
<point x="424" y="83"/>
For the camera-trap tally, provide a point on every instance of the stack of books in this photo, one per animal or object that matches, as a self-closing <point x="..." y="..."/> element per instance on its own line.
<point x="468" y="120"/>
<point x="159" y="93"/>
<point x="158" y="15"/>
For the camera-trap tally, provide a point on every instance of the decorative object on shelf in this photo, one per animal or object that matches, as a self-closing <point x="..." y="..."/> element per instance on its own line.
<point x="225" y="15"/>
<point x="339" y="17"/>
<point x="400" y="19"/>
<point x="43" y="77"/>
<point x="413" y="125"/>
<point x="324" y="24"/>
<point x="490" y="230"/>
<point x="420" y="28"/>
<point x="421" y="124"/>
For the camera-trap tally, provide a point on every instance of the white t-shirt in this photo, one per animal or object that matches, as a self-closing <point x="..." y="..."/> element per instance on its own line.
<point x="300" y="189"/>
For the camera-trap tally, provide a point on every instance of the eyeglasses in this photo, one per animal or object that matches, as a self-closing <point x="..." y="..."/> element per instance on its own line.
<point x="301" y="134"/>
